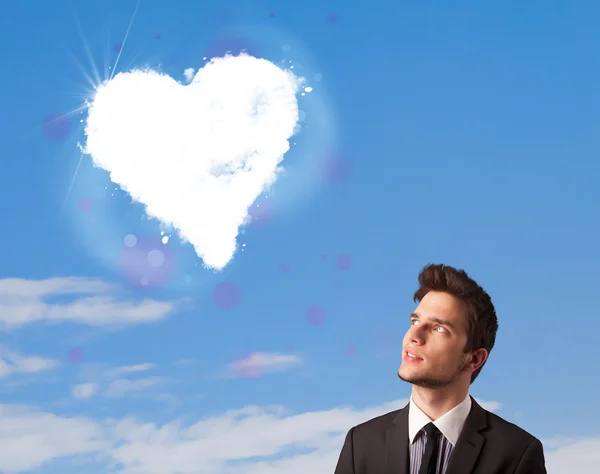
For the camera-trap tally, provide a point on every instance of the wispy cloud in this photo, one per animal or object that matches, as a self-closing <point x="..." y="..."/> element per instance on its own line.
<point x="30" y="438"/>
<point x="566" y="455"/>
<point x="89" y="301"/>
<point x="490" y="406"/>
<point x="12" y="362"/>
<point x="129" y="369"/>
<point x="122" y="387"/>
<point x="253" y="440"/>
<point x="36" y="289"/>
<point x="262" y="363"/>
<point x="84" y="391"/>
<point x="189" y="74"/>
<point x="113" y="382"/>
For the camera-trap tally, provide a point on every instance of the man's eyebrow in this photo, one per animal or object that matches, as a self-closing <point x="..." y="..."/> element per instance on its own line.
<point x="443" y="322"/>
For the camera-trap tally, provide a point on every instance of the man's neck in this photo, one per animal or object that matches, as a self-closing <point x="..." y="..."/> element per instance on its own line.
<point x="437" y="402"/>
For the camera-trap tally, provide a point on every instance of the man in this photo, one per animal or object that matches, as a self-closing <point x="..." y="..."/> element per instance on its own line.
<point x="443" y="430"/>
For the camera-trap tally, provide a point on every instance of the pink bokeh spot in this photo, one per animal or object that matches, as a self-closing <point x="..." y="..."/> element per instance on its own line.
<point x="227" y="295"/>
<point x="343" y="262"/>
<point x="56" y="127"/>
<point x="272" y="14"/>
<point x="145" y="262"/>
<point x="284" y="268"/>
<point x="246" y="370"/>
<point x="75" y="356"/>
<point x="117" y="48"/>
<point x="332" y="17"/>
<point x="234" y="45"/>
<point x="315" y="315"/>
<point x="247" y="366"/>
<point x="323" y="256"/>
<point x="350" y="350"/>
<point x="335" y="168"/>
<point x="260" y="215"/>
<point x="158" y="36"/>
<point x="85" y="204"/>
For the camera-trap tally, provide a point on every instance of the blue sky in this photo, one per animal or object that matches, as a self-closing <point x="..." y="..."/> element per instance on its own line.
<point x="468" y="135"/>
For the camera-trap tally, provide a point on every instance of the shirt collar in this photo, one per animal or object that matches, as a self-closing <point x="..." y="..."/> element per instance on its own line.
<point x="450" y="423"/>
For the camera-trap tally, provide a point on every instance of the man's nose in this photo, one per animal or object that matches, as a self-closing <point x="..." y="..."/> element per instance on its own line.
<point x="416" y="334"/>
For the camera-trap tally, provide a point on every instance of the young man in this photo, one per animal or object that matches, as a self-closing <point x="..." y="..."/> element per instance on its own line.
<point x="443" y="430"/>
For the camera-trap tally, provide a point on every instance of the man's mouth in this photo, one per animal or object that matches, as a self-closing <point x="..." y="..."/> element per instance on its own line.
<point x="412" y="356"/>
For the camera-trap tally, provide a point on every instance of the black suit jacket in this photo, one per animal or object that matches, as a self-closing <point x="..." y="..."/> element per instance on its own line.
<point x="487" y="445"/>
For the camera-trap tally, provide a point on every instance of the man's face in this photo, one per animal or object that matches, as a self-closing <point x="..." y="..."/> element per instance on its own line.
<point x="437" y="337"/>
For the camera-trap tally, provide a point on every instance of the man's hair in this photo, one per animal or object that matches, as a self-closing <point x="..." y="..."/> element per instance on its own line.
<point x="482" y="320"/>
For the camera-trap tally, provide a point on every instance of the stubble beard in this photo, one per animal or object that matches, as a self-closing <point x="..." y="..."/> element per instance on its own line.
<point x="434" y="382"/>
<point x="427" y="382"/>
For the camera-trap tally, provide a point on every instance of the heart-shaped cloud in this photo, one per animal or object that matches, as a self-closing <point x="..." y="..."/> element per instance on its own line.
<point x="197" y="155"/>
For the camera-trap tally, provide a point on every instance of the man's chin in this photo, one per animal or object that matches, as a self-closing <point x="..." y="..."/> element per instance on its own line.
<point x="405" y="377"/>
<point x="422" y="381"/>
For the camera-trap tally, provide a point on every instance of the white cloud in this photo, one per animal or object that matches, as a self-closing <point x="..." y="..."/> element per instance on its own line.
<point x="10" y="385"/>
<point x="12" y="362"/>
<point x="490" y="406"/>
<point x="197" y="156"/>
<point x="30" y="438"/>
<point x="253" y="440"/>
<point x="261" y="363"/>
<point x="113" y="382"/>
<point x="573" y="455"/>
<point x="121" y="387"/>
<point x="36" y="289"/>
<point x="84" y="390"/>
<point x="129" y="369"/>
<point x="93" y="302"/>
<point x="189" y="74"/>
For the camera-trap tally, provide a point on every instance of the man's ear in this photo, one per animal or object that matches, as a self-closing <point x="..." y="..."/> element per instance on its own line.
<point x="477" y="359"/>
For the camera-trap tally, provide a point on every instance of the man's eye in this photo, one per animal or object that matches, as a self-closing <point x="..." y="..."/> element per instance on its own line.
<point x="440" y="329"/>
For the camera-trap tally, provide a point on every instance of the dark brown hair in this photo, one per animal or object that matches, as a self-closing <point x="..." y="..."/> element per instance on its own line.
<point x="482" y="320"/>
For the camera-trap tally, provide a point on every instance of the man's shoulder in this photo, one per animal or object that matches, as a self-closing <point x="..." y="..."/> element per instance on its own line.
<point x="495" y="425"/>
<point x="378" y="423"/>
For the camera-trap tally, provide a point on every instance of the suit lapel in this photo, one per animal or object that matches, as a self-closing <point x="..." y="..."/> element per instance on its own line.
<point x="396" y="444"/>
<point x="469" y="444"/>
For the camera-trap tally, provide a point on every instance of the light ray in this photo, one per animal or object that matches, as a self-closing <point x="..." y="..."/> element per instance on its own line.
<point x="106" y="57"/>
<point x="72" y="180"/>
<point x="83" y="72"/>
<point x="67" y="115"/>
<point x="99" y="81"/>
<point x="88" y="52"/>
<point x="125" y="39"/>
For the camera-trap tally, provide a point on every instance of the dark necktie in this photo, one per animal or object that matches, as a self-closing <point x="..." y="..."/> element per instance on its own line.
<point x="430" y="457"/>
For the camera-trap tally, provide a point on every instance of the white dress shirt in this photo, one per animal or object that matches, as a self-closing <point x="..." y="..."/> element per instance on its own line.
<point x="450" y="425"/>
